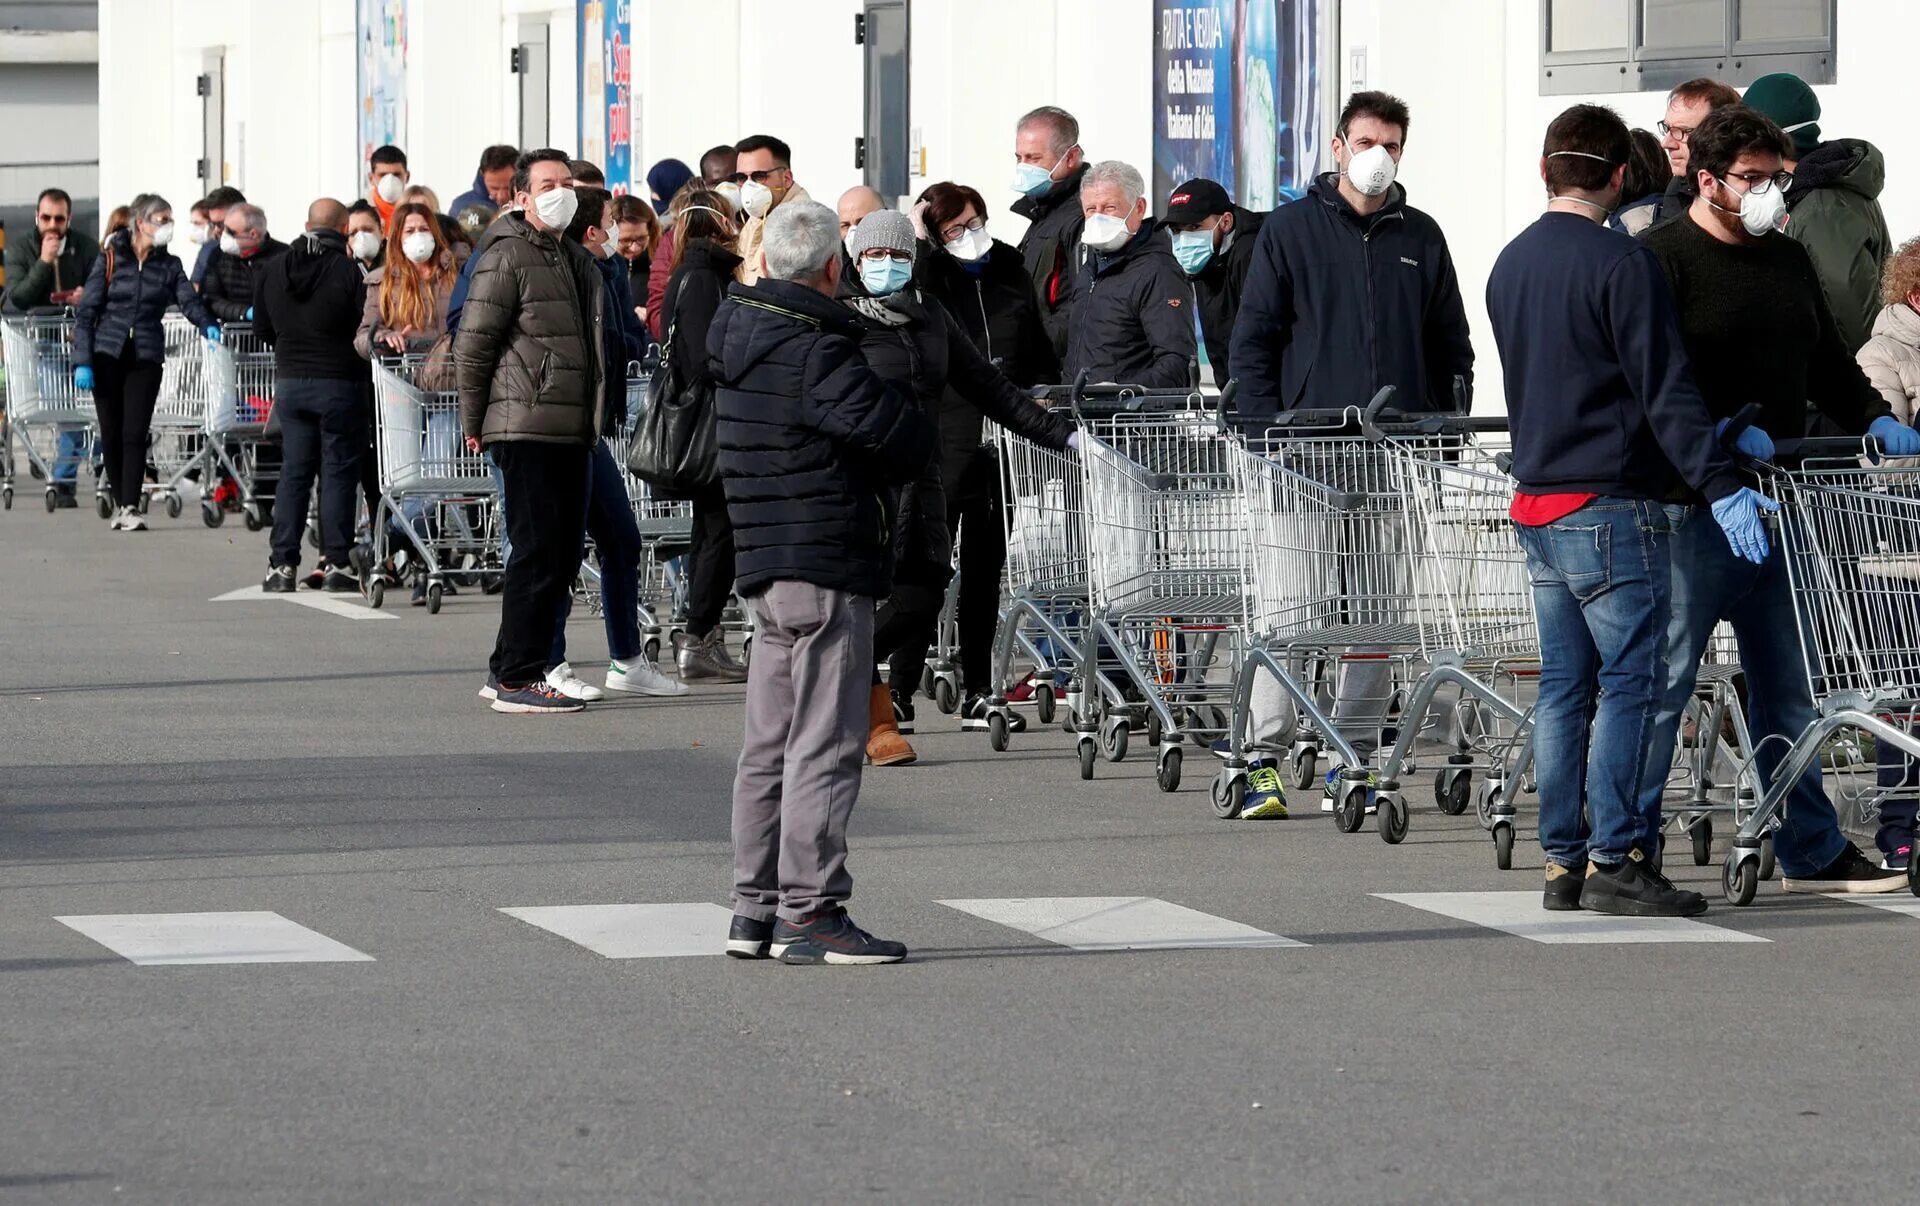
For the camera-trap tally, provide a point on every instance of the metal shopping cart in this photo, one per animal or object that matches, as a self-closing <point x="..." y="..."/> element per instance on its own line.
<point x="239" y="375"/>
<point x="666" y="532"/>
<point x="43" y="403"/>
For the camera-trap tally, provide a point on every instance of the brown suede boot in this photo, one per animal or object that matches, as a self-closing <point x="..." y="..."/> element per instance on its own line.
<point x="885" y="745"/>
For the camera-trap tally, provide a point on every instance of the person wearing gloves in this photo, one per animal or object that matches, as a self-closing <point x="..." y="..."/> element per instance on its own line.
<point x="1758" y="331"/>
<point x="1213" y="241"/>
<point x="118" y="343"/>
<point x="909" y="338"/>
<point x="764" y="172"/>
<point x="1610" y="435"/>
<point x="1131" y="322"/>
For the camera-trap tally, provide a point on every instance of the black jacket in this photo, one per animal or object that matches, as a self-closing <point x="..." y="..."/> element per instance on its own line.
<point x="811" y="441"/>
<point x="1337" y="305"/>
<point x="308" y="309"/>
<point x="127" y="309"/>
<point x="232" y="282"/>
<point x="1133" y="320"/>
<point x="1217" y="290"/>
<point x="694" y="293"/>
<point x="996" y="307"/>
<point x="625" y="339"/>
<point x="1049" y="245"/>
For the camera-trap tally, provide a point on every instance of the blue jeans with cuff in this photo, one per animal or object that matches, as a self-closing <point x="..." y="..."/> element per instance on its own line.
<point x="616" y="538"/>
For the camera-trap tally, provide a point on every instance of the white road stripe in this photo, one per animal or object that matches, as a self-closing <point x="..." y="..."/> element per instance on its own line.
<point x="1520" y="914"/>
<point x="159" y="939"/>
<point x="344" y="606"/>
<point x="1903" y="903"/>
<point x="635" y="931"/>
<point x="1118" y="923"/>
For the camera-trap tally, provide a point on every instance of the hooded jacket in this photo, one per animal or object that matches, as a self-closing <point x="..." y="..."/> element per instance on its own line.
<point x="1133" y="320"/>
<point x="1833" y="210"/>
<point x="528" y="356"/>
<point x="811" y="441"/>
<point x="31" y="281"/>
<point x="1338" y="304"/>
<point x="477" y="195"/>
<point x="1054" y="222"/>
<point x="232" y="280"/>
<point x="1218" y="287"/>
<point x="308" y="309"/>
<point x="122" y="315"/>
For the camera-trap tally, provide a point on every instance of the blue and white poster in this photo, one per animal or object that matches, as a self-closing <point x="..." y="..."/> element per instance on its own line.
<point x="606" y="89"/>
<point x="381" y="30"/>
<point x="1238" y="97"/>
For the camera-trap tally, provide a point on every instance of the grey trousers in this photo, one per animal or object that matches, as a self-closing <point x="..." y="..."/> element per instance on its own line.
<point x="806" y="736"/>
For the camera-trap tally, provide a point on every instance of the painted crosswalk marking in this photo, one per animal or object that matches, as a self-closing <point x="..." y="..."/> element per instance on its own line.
<point x="634" y="931"/>
<point x="1118" y="923"/>
<point x="1904" y="904"/>
<point x="160" y="939"/>
<point x="347" y="607"/>
<point x="1520" y="914"/>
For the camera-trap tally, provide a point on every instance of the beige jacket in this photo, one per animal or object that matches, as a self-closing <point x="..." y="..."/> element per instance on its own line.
<point x="1891" y="359"/>
<point x="752" y="231"/>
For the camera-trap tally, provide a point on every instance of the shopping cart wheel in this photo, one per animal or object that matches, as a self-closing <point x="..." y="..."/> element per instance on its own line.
<point x="1306" y="768"/>
<point x="1155" y="734"/>
<point x="1391" y="820"/>
<point x="1087" y="756"/>
<point x="1766" y="859"/>
<point x="1453" y="791"/>
<point x="997" y="731"/>
<point x="1350" y="806"/>
<point x="1043" y="703"/>
<point x="376" y="592"/>
<point x="1229" y="794"/>
<point x="1740" y="878"/>
<point x="174" y="506"/>
<point x="926" y="681"/>
<point x="435" y="593"/>
<point x="254" y="519"/>
<point x="1167" y="774"/>
<point x="1701" y="831"/>
<point x="1113" y="738"/>
<point x="946" y="695"/>
<point x="102" y="505"/>
<point x="1503" y="846"/>
<point x="211" y="514"/>
<point x="652" y="648"/>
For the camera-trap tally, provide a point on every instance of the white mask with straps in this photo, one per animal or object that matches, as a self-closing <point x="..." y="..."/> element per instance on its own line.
<point x="1552" y="196"/>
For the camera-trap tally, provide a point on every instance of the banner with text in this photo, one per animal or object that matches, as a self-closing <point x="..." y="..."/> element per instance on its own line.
<point x="606" y="89"/>
<point x="381" y="31"/>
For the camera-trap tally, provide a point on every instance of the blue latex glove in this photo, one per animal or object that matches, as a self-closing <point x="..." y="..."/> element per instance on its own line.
<point x="1896" y="438"/>
<point x="249" y="313"/>
<point x="213" y="332"/>
<point x="1751" y="442"/>
<point x="1073" y="441"/>
<point x="1741" y="516"/>
<point x="83" y="377"/>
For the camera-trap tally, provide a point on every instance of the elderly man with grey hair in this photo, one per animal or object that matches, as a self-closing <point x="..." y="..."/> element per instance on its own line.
<point x="1133" y="322"/>
<point x="811" y="442"/>
<point x="1047" y="167"/>
<point x="234" y="275"/>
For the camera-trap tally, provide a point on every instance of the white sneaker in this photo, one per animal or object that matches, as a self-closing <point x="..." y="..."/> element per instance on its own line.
<point x="132" y="522"/>
<point x="641" y="677"/>
<point x="119" y="521"/>
<point x="562" y="679"/>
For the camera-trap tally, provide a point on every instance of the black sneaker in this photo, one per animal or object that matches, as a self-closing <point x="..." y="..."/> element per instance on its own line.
<point x="973" y="716"/>
<point x="1852" y="874"/>
<point x="534" y="699"/>
<point x="1563" y="889"/>
<point x="64" y="500"/>
<point x="749" y="937"/>
<point x="1632" y="889"/>
<point x="280" y="581"/>
<point x="339" y="582"/>
<point x="903" y="714"/>
<point x="831" y="937"/>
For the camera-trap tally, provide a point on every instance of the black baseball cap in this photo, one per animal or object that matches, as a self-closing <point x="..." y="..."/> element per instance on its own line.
<point x="1196" y="201"/>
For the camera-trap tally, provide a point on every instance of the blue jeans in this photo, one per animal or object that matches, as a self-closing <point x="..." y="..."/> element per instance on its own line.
<point x="616" y="537"/>
<point x="1710" y="584"/>
<point x="74" y="447"/>
<point x="1600" y="587"/>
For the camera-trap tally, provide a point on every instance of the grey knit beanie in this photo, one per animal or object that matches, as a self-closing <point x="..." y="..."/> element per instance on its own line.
<point x="888" y="228"/>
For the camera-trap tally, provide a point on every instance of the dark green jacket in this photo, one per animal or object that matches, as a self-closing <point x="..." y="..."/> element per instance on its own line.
<point x="1834" y="212"/>
<point x="30" y="280"/>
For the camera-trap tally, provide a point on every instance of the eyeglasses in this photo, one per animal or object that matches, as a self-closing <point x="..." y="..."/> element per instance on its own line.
<point x="949" y="233"/>
<point x="887" y="253"/>
<point x="1677" y="133"/>
<point x="756" y="177"/>
<point x="1758" y="183"/>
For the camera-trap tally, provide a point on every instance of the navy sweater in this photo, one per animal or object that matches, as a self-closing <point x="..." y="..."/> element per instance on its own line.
<point x="1600" y="396"/>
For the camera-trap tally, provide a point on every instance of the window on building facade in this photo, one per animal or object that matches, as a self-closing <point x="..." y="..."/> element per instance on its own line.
<point x="1651" y="45"/>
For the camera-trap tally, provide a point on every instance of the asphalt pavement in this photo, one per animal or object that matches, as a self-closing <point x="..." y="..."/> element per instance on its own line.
<point x="255" y="857"/>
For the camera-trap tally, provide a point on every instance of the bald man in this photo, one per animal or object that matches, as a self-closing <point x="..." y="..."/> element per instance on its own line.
<point x="308" y="310"/>
<point x="855" y="204"/>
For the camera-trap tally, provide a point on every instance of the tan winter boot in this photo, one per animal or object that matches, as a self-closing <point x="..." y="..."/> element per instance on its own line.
<point x="885" y="745"/>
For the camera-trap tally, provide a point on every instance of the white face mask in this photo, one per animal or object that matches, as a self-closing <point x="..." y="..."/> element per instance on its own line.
<point x="1760" y="213"/>
<point x="364" y="244"/>
<point x="971" y="245"/>
<point x="1105" y="232"/>
<point x="162" y="235"/>
<point x="556" y="207"/>
<point x="196" y="234"/>
<point x="729" y="190"/>
<point x="390" y="187"/>
<point x="756" y="198"/>
<point x="229" y="245"/>
<point x="417" y="246"/>
<point x="1371" y="172"/>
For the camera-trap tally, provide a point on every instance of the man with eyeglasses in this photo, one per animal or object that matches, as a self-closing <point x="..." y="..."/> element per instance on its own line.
<point x="1687" y="106"/>
<point x="764" y="171"/>
<point x="1756" y="330"/>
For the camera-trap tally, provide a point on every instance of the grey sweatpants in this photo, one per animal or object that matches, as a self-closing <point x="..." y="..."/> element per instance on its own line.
<point x="806" y="734"/>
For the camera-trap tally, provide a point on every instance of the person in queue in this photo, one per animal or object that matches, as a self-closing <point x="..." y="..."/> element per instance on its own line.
<point x="1048" y="164"/>
<point x="716" y="172"/>
<point x="119" y="344"/>
<point x="912" y="340"/>
<point x="708" y="231"/>
<point x="1758" y="332"/>
<point x="51" y="270"/>
<point x="246" y="249"/>
<point x="1687" y="106"/>
<point x="1213" y="241"/>
<point x="532" y="370"/>
<point x="217" y="203"/>
<point x="811" y="440"/>
<point x="387" y="178"/>
<point x="307" y="310"/>
<point x="665" y="179"/>
<point x="1133" y="321"/>
<point x="366" y="238"/>
<point x="492" y="180"/>
<point x="638" y="238"/>
<point x="855" y="204"/>
<point x="764" y="171"/>
<point x="1645" y="184"/>
<point x="983" y="284"/>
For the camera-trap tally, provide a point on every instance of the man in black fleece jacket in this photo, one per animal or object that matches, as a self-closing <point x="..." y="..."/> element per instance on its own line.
<point x="308" y="310"/>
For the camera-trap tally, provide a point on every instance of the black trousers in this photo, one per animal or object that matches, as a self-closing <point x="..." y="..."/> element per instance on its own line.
<point x="977" y="516"/>
<point x="546" y="505"/>
<point x="124" y="391"/>
<point x="710" y="569"/>
<point x="321" y="435"/>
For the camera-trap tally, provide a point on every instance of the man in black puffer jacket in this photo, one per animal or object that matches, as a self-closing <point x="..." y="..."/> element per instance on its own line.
<point x="811" y="442"/>
<point x="1047" y="173"/>
<point x="1133" y="319"/>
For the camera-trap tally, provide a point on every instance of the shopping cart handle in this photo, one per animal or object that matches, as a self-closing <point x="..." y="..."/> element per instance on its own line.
<point x="1377" y="404"/>
<point x="1788" y="453"/>
<point x="1747" y="417"/>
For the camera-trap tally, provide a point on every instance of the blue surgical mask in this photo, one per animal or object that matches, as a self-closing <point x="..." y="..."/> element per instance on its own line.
<point x="1193" y="248"/>
<point x="1030" y="179"/>
<point x="882" y="277"/>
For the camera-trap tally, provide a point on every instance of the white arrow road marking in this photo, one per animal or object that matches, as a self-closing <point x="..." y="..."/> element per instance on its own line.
<point x="343" y="606"/>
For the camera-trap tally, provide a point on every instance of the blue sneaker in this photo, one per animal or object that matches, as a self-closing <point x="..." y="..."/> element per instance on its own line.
<point x="1266" y="799"/>
<point x="1332" y="789"/>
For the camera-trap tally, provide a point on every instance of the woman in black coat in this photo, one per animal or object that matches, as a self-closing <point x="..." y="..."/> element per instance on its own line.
<point x="915" y="340"/>
<point x="705" y="229"/>
<point x="119" y="344"/>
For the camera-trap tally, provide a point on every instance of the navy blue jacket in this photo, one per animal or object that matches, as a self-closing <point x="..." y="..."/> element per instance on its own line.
<point x="1600" y="395"/>
<point x="1337" y="305"/>
<point x="811" y="441"/>
<point x="477" y="195"/>
<point x="625" y="339"/>
<point x="128" y="308"/>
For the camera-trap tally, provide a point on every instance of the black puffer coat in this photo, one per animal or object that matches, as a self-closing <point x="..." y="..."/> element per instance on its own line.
<point x="1049" y="246"/>
<point x="127" y="309"/>
<point x="529" y="358"/>
<point x="233" y="282"/>
<point x="1133" y="320"/>
<point x="811" y="441"/>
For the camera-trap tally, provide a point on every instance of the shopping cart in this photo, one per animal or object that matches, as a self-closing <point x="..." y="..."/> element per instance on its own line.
<point x="239" y="375"/>
<point x="666" y="532"/>
<point x="43" y="402"/>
